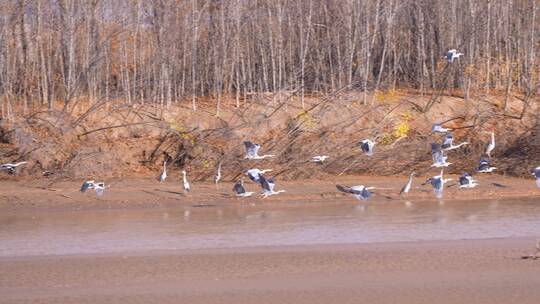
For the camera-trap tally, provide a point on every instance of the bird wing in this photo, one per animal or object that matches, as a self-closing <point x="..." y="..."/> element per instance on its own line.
<point x="438" y="157"/>
<point x="344" y="189"/>
<point x="238" y="188"/>
<point x="436" y="183"/>
<point x="85" y="186"/>
<point x="251" y="149"/>
<point x="264" y="184"/>
<point x="447" y="141"/>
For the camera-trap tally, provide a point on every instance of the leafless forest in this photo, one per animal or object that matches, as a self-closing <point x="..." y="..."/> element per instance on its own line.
<point x="56" y="53"/>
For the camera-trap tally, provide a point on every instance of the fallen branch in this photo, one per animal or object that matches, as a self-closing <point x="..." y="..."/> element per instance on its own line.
<point x="117" y="126"/>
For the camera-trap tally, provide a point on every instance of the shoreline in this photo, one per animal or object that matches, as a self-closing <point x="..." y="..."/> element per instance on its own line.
<point x="138" y="193"/>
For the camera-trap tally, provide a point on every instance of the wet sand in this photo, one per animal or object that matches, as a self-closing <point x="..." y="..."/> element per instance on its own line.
<point x="480" y="271"/>
<point x="17" y="195"/>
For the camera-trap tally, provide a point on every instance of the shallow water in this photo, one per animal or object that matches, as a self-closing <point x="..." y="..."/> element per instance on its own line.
<point x="117" y="231"/>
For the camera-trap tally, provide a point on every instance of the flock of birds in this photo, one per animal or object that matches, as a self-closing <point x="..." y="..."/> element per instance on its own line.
<point x="361" y="192"/>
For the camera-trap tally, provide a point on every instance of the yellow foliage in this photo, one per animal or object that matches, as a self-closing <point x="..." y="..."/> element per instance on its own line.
<point x="306" y="119"/>
<point x="388" y="96"/>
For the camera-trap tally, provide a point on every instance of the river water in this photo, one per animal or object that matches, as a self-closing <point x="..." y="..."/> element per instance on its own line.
<point x="139" y="230"/>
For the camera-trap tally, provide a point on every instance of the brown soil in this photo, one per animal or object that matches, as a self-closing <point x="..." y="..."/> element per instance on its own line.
<point x="486" y="271"/>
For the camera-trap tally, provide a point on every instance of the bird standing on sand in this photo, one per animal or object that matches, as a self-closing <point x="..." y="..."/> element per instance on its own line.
<point x="467" y="181"/>
<point x="186" y="183"/>
<point x="536" y="173"/>
<point x="360" y="192"/>
<point x="437" y="128"/>
<point x="217" y="177"/>
<point x="12" y="167"/>
<point x="448" y="142"/>
<point x="490" y="145"/>
<point x="239" y="189"/>
<point x="451" y="55"/>
<point x="367" y="146"/>
<point x="405" y="189"/>
<point x="255" y="174"/>
<point x="252" y="151"/>
<point x="163" y="174"/>
<point x="484" y="167"/>
<point x="437" y="182"/>
<point x="319" y="158"/>
<point x="268" y="186"/>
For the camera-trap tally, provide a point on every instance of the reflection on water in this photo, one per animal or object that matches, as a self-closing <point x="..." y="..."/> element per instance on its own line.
<point x="229" y="227"/>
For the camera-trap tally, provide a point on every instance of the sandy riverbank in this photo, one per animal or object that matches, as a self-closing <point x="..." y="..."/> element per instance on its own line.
<point x="480" y="271"/>
<point x="40" y="195"/>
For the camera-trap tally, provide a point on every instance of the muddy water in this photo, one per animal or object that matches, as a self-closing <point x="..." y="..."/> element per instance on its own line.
<point x="119" y="231"/>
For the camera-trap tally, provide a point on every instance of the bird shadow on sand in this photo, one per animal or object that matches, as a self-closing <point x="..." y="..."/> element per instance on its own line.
<point x="169" y="191"/>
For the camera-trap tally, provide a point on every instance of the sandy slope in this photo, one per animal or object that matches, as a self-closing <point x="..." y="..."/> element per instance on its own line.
<point x="486" y="271"/>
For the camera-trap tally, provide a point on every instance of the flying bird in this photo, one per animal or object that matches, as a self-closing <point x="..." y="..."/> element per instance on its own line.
<point x="360" y="192"/>
<point x="490" y="145"/>
<point x="268" y="186"/>
<point x="319" y="158"/>
<point x="12" y="167"/>
<point x="239" y="189"/>
<point x="163" y="174"/>
<point x="98" y="187"/>
<point x="536" y="173"/>
<point x="484" y="167"/>
<point x="467" y="181"/>
<point x="451" y="55"/>
<point x="367" y="146"/>
<point x="254" y="174"/>
<point x="437" y="155"/>
<point x="186" y="183"/>
<point x="437" y="182"/>
<point x="437" y="128"/>
<point x="217" y="177"/>
<point x="448" y="142"/>
<point x="252" y="151"/>
<point x="405" y="189"/>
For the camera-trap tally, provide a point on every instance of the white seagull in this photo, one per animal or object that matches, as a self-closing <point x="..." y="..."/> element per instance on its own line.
<point x="448" y="142"/>
<point x="319" y="158"/>
<point x="367" y="146"/>
<point x="252" y="151"/>
<point x="467" y="181"/>
<point x="437" y="182"/>
<point x="437" y="128"/>
<point x="239" y="189"/>
<point x="163" y="174"/>
<point x="405" y="189"/>
<point x="254" y="174"/>
<point x="268" y="186"/>
<point x="11" y="167"/>
<point x="490" y="145"/>
<point x="186" y="183"/>
<point x="536" y="173"/>
<point x="451" y="55"/>
<point x="437" y="154"/>
<point x="360" y="192"/>
<point x="483" y="166"/>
